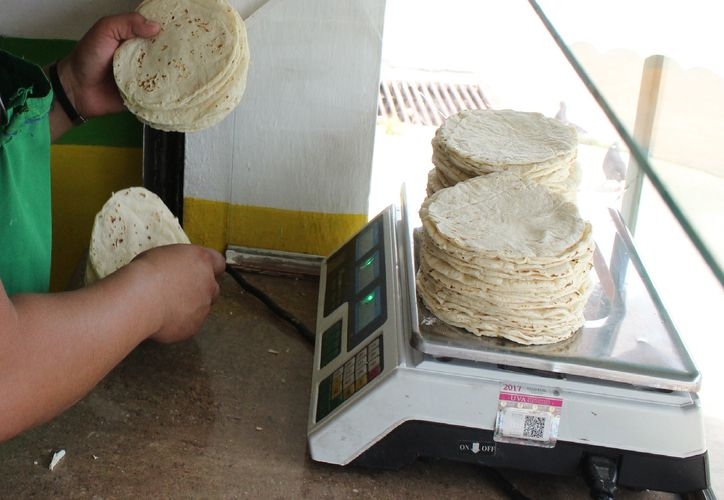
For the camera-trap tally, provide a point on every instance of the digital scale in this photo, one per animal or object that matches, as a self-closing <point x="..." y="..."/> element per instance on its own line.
<point x="617" y="402"/>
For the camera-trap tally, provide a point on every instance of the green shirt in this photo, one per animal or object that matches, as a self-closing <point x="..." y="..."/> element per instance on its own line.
<point x="25" y="213"/>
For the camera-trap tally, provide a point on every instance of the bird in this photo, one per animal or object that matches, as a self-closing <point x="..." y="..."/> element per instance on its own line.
<point x="613" y="166"/>
<point x="562" y="116"/>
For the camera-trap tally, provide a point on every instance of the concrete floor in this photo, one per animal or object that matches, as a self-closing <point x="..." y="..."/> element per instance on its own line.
<point x="224" y="415"/>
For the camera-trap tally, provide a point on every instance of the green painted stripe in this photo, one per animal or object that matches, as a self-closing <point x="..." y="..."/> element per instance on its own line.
<point x="37" y="50"/>
<point x="119" y="130"/>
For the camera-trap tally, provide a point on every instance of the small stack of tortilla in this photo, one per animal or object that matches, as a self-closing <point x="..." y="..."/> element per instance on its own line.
<point x="193" y="73"/>
<point x="483" y="141"/>
<point x="130" y="222"/>
<point x="504" y="257"/>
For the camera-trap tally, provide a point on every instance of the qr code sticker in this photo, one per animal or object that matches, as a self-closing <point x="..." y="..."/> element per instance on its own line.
<point x="534" y="427"/>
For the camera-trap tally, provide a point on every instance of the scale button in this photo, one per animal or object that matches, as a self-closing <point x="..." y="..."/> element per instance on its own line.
<point x="361" y="381"/>
<point x="349" y="368"/>
<point x="331" y="344"/>
<point x="348" y="379"/>
<point x="349" y="389"/>
<point x="337" y="377"/>
<point x="374" y="347"/>
<point x="323" y="401"/>
<point x="374" y="363"/>
<point x="374" y="356"/>
<point x="361" y="360"/>
<point x="361" y="369"/>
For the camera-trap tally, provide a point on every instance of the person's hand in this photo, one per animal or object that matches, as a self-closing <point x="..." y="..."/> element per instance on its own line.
<point x="87" y="72"/>
<point x="184" y="278"/>
<point x="55" y="347"/>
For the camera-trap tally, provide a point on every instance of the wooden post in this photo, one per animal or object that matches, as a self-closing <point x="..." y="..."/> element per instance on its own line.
<point x="642" y="134"/>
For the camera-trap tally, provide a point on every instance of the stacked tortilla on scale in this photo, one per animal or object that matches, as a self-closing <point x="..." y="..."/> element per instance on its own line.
<point x="192" y="74"/>
<point x="484" y="141"/>
<point x="504" y="257"/>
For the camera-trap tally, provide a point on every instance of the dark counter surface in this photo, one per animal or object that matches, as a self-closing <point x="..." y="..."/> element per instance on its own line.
<point x="224" y="415"/>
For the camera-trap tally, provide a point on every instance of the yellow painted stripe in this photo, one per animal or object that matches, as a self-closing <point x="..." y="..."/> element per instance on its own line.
<point x="218" y="224"/>
<point x="205" y="222"/>
<point x="83" y="178"/>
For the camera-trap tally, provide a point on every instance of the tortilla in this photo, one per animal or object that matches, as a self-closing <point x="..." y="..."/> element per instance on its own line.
<point x="504" y="256"/>
<point x="484" y="141"/>
<point x="193" y="73"/>
<point x="130" y="222"/>
<point x="502" y="215"/>
<point x="507" y="137"/>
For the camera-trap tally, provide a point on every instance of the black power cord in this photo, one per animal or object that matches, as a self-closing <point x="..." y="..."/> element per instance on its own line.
<point x="273" y="306"/>
<point x="601" y="474"/>
<point x="512" y="492"/>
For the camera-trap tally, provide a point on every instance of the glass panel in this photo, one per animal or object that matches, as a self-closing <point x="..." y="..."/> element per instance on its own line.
<point x="658" y="70"/>
<point x="503" y="56"/>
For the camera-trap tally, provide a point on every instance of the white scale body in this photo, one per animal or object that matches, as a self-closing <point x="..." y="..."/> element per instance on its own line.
<point x="391" y="382"/>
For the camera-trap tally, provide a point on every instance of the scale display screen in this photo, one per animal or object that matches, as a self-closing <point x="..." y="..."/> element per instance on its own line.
<point x="368" y="270"/>
<point x="367" y="240"/>
<point x="337" y="282"/>
<point x="355" y="275"/>
<point x="367" y="309"/>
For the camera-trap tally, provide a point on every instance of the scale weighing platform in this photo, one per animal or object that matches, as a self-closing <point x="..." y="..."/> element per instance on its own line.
<point x="617" y="402"/>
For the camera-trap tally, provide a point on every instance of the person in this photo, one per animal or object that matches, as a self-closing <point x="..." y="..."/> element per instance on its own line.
<point x="55" y="347"/>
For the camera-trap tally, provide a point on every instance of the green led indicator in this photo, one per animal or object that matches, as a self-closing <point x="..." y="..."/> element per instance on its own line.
<point x="368" y="262"/>
<point x="369" y="298"/>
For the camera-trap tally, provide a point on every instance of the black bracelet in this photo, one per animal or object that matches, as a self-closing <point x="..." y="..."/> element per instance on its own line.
<point x="59" y="92"/>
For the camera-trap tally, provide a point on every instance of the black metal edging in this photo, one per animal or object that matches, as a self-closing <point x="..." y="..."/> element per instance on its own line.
<point x="163" y="167"/>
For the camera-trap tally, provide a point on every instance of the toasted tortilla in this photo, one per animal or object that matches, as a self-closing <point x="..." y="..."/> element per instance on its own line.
<point x="506" y="257"/>
<point x="130" y="222"/>
<point x="478" y="142"/>
<point x="193" y="73"/>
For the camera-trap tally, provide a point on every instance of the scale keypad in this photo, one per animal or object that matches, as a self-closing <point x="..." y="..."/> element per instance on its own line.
<point x="331" y="344"/>
<point x="350" y="378"/>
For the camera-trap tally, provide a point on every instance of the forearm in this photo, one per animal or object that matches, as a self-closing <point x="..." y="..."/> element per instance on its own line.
<point x="60" y="122"/>
<point x="62" y="345"/>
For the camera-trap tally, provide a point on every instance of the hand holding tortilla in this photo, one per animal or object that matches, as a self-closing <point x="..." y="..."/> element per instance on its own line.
<point x="193" y="73"/>
<point x="131" y="221"/>
<point x="85" y="75"/>
<point x="134" y="225"/>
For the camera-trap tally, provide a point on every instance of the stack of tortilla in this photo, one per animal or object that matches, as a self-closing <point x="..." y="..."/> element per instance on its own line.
<point x="504" y="257"/>
<point x="479" y="142"/>
<point x="193" y="73"/>
<point x="130" y="222"/>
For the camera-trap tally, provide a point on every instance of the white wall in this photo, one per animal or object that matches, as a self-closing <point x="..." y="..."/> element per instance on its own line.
<point x="67" y="19"/>
<point x="302" y="137"/>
